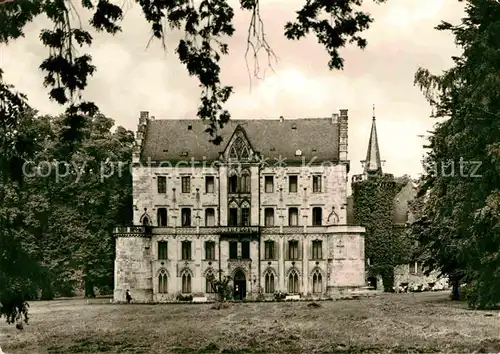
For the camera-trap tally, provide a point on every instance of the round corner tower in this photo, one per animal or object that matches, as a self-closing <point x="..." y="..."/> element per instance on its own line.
<point x="133" y="269"/>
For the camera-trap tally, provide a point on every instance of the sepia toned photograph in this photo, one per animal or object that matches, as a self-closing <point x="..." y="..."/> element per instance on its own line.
<point x="249" y="176"/>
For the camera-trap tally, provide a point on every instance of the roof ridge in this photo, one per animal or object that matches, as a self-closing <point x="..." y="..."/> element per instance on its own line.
<point x="242" y="119"/>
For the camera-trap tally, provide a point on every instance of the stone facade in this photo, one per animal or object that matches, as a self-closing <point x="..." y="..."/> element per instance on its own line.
<point x="267" y="207"/>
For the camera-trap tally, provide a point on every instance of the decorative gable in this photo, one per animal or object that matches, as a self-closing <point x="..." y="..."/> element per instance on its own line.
<point x="238" y="147"/>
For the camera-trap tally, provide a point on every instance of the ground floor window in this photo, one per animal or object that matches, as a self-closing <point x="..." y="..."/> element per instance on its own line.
<point x="293" y="282"/>
<point x="317" y="283"/>
<point x="186" y="283"/>
<point x="269" y="283"/>
<point x="163" y="282"/>
<point x="208" y="283"/>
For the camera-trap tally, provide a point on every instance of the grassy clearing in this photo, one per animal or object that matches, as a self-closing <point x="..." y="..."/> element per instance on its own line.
<point x="425" y="322"/>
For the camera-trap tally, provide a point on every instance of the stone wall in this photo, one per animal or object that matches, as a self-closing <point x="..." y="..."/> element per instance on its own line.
<point x="403" y="275"/>
<point x="331" y="198"/>
<point x="137" y="266"/>
<point x="145" y="193"/>
<point x="332" y="195"/>
<point x="133" y="269"/>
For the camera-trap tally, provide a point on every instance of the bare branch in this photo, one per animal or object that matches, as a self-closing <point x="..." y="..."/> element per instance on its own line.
<point x="256" y="41"/>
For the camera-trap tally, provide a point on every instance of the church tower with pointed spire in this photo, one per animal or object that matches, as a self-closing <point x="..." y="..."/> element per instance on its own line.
<point x="373" y="164"/>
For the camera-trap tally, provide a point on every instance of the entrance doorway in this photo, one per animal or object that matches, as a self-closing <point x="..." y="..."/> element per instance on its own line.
<point x="240" y="285"/>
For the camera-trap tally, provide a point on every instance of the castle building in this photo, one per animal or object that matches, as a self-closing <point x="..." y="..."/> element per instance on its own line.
<point x="267" y="207"/>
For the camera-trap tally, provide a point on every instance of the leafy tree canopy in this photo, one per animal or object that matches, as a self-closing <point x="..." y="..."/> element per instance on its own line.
<point x="205" y="23"/>
<point x="458" y="227"/>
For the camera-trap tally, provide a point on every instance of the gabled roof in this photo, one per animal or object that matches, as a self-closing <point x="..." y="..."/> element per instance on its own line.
<point x="170" y="140"/>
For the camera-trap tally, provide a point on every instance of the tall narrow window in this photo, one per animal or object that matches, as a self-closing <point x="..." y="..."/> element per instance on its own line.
<point x="186" y="184"/>
<point x="269" y="247"/>
<point x="162" y="217"/>
<point x="186" y="282"/>
<point x="233" y="217"/>
<point x="162" y="250"/>
<point x="269" y="184"/>
<point x="145" y="221"/>
<point x="233" y="184"/>
<point x="162" y="184"/>
<point x="317" y="184"/>
<point x="210" y="250"/>
<point x="245" y="214"/>
<point x="269" y="217"/>
<point x="269" y="283"/>
<point x="317" y="248"/>
<point x="292" y="184"/>
<point x="317" y="216"/>
<point x="245" y="182"/>
<point x="293" y="282"/>
<point x="233" y="250"/>
<point x="186" y="250"/>
<point x="293" y="216"/>
<point x="209" y="184"/>
<point x="162" y="282"/>
<point x="209" y="217"/>
<point x="186" y="216"/>
<point x="293" y="250"/>
<point x="208" y="284"/>
<point x="245" y="250"/>
<point x="317" y="283"/>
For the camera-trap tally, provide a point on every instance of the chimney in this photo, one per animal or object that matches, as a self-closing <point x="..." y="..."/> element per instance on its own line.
<point x="282" y="119"/>
<point x="335" y="118"/>
<point x="343" y="135"/>
<point x="141" y="134"/>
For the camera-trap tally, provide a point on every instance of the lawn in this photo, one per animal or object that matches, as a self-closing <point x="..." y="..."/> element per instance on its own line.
<point x="424" y="322"/>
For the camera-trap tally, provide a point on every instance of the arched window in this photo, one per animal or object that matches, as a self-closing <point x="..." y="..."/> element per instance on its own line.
<point x="293" y="282"/>
<point x="186" y="282"/>
<point x="269" y="216"/>
<point x="233" y="182"/>
<point x="293" y="216"/>
<point x="317" y="216"/>
<point x="269" y="283"/>
<point x="245" y="183"/>
<point x="317" y="282"/>
<point x="162" y="216"/>
<point x="209" y="217"/>
<point x="208" y="284"/>
<point x="186" y="216"/>
<point x="145" y="221"/>
<point x="232" y="217"/>
<point x="245" y="153"/>
<point x="245" y="213"/>
<point x="162" y="282"/>
<point x="233" y="154"/>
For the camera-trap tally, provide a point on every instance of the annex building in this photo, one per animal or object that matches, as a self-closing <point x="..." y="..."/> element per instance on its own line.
<point x="267" y="207"/>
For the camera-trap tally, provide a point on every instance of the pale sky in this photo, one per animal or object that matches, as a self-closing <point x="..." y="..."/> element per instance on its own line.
<point x="131" y="78"/>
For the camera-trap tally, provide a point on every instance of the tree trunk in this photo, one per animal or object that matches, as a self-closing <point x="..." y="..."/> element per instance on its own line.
<point x="47" y="292"/>
<point x="89" y="288"/>
<point x="455" y="291"/>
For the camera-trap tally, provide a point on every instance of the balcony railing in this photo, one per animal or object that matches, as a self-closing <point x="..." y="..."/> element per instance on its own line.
<point x="238" y="230"/>
<point x="235" y="230"/>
